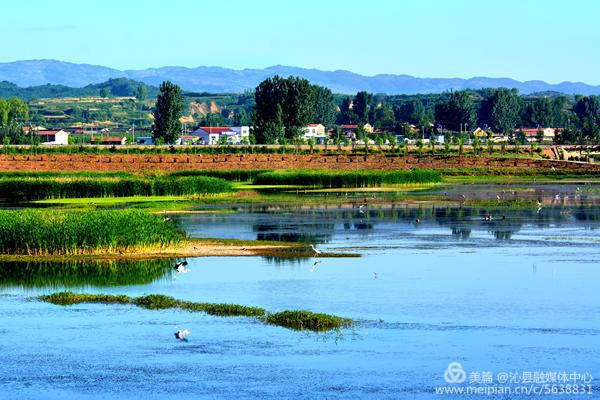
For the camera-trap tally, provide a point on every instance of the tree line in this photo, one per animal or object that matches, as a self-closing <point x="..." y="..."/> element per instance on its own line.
<point x="284" y="106"/>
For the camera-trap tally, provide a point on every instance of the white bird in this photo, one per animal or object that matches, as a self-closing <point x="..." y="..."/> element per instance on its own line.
<point x="315" y="250"/>
<point x="539" y="204"/>
<point x="181" y="267"/>
<point x="182" y="334"/>
<point x="553" y="169"/>
<point x="557" y="197"/>
<point x="498" y="197"/>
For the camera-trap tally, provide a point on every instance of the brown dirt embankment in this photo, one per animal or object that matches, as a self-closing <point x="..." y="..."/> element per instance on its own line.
<point x="171" y="162"/>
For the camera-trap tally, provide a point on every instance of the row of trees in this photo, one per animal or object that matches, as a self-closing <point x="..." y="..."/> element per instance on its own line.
<point x="286" y="105"/>
<point x="498" y="110"/>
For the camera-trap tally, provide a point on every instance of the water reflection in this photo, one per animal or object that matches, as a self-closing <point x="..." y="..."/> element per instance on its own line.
<point x="322" y="225"/>
<point x="81" y="273"/>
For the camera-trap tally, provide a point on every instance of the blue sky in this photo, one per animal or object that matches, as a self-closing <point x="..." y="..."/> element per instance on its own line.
<point x="551" y="40"/>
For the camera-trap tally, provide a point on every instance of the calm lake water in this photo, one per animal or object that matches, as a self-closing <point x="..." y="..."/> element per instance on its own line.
<point x="518" y="294"/>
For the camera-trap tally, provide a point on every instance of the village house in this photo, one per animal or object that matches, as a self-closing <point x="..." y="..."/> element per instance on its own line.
<point x="243" y="132"/>
<point x="110" y="140"/>
<point x="548" y="134"/>
<point x="52" y="137"/>
<point x="316" y="132"/>
<point x="484" y="135"/>
<point x="213" y="134"/>
<point x="349" y="130"/>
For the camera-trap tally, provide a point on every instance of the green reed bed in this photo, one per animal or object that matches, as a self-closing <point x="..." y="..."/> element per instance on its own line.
<point x="23" y="188"/>
<point x="42" y="232"/>
<point x="298" y="320"/>
<point x="81" y="273"/>
<point x="346" y="179"/>
<point x="233" y="175"/>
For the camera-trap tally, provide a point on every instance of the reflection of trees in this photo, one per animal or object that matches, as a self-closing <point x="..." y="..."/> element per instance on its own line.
<point x="461" y="232"/>
<point x="317" y="226"/>
<point x="78" y="273"/>
<point x="286" y="232"/>
<point x="287" y="261"/>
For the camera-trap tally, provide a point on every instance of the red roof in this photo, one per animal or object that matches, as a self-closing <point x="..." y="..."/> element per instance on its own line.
<point x="313" y="125"/>
<point x="46" y="132"/>
<point x="215" y="129"/>
<point x="531" y="131"/>
<point x="349" y="126"/>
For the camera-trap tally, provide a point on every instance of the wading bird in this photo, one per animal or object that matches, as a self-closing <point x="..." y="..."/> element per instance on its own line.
<point x="182" y="334"/>
<point x="315" y="250"/>
<point x="181" y="267"/>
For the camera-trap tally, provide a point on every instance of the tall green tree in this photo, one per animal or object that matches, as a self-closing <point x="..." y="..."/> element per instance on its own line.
<point x="502" y="110"/>
<point x="325" y="109"/>
<point x="361" y="105"/>
<point x="293" y="96"/>
<point x="346" y="115"/>
<point x="384" y="117"/>
<point x="141" y="92"/>
<point x="14" y="113"/>
<point x="457" y="111"/>
<point x="411" y="111"/>
<point x="587" y="112"/>
<point x="167" y="112"/>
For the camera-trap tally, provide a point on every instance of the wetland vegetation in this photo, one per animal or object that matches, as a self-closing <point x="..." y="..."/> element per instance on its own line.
<point x="298" y="320"/>
<point x="48" y="232"/>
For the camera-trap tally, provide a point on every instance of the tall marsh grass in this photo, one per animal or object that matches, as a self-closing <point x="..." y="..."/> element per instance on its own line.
<point x="233" y="175"/>
<point x="346" y="179"/>
<point x="40" y="232"/>
<point x="23" y="188"/>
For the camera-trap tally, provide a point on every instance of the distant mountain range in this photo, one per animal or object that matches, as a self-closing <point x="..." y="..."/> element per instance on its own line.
<point x="220" y="80"/>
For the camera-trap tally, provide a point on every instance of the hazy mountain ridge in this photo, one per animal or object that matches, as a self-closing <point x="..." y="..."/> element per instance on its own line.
<point x="219" y="80"/>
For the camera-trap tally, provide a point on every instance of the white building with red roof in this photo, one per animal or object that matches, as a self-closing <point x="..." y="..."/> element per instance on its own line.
<point x="213" y="135"/>
<point x="314" y="131"/>
<point x="52" y="137"/>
